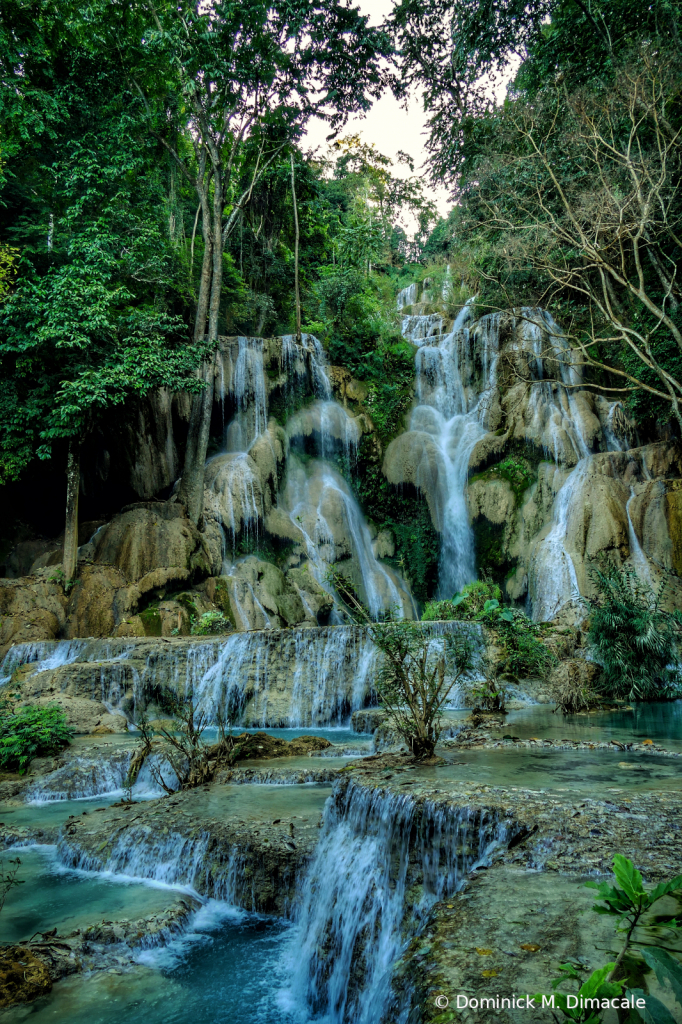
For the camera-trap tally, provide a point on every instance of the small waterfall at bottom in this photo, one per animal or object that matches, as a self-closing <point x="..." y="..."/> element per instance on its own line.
<point x="382" y="861"/>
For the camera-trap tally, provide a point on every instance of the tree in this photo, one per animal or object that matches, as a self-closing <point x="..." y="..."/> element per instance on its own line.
<point x="454" y="51"/>
<point x="583" y="189"/>
<point x="87" y="320"/>
<point x="418" y="670"/>
<point x="246" y="78"/>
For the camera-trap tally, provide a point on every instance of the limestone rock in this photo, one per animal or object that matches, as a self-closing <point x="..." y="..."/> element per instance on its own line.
<point x="99" y="601"/>
<point x="414" y="458"/>
<point x="152" y="544"/>
<point x="31" y="608"/>
<point x="84" y="715"/>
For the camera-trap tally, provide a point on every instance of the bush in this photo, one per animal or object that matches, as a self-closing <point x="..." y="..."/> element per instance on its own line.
<point x="522" y="651"/>
<point x="467" y="604"/>
<point x="32" y="732"/>
<point x="633" y="639"/>
<point x="211" y="623"/>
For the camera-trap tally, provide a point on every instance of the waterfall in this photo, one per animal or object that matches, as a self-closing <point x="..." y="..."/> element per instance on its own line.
<point x="321" y="505"/>
<point x="248" y="390"/>
<point x="170" y="859"/>
<point x="381" y="863"/>
<point x="45" y="654"/>
<point x="82" y="778"/>
<point x="407" y="296"/>
<point x="454" y="388"/>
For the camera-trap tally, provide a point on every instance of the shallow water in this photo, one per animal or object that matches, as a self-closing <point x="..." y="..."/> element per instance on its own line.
<point x="55" y="812"/>
<point x="660" y="722"/>
<point x="582" y="771"/>
<point x="260" y="802"/>
<point x="51" y="895"/>
<point x="224" y="972"/>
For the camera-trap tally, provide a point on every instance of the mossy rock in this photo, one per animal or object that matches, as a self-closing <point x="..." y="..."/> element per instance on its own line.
<point x="151" y="620"/>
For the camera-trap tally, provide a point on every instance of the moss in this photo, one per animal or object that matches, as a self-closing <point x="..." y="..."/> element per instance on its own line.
<point x="222" y="599"/>
<point x="518" y="472"/>
<point x="151" y="620"/>
<point x="491" y="557"/>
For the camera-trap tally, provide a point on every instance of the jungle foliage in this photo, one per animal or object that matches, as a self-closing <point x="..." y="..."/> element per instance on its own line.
<point x="31" y="732"/>
<point x="418" y="671"/>
<point x="522" y="650"/>
<point x="634" y="639"/>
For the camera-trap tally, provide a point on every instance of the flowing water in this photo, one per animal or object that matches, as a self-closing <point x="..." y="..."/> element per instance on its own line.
<point x="456" y="375"/>
<point x="380" y="857"/>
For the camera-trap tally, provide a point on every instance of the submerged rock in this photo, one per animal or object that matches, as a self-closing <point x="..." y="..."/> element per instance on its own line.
<point x="24" y="976"/>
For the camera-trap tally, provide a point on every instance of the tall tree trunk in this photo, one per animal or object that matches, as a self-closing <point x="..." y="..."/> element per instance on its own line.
<point x="191" y="492"/>
<point x="297" y="294"/>
<point x="73" y="476"/>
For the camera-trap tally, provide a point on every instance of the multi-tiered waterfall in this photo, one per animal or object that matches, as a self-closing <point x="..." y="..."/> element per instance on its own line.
<point x="510" y="382"/>
<point x="264" y="469"/>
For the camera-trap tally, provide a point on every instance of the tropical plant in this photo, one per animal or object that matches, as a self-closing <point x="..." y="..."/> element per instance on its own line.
<point x="31" y="732"/>
<point x="210" y="623"/>
<point x="418" y="671"/>
<point x="609" y="987"/>
<point x="521" y="649"/>
<point x="632" y="637"/>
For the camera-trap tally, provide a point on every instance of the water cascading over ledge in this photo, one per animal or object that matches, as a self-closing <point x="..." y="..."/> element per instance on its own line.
<point x="382" y="861"/>
<point x="286" y="484"/>
<point x="296" y="677"/>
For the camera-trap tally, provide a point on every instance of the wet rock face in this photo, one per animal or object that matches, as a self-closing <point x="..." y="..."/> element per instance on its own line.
<point x="31" y="610"/>
<point x="151" y="545"/>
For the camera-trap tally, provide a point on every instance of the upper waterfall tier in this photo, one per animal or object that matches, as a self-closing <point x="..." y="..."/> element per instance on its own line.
<point x="296" y="677"/>
<point x="503" y="398"/>
<point x="256" y="486"/>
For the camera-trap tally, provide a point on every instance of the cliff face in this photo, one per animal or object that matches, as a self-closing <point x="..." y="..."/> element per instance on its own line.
<point x="526" y="474"/>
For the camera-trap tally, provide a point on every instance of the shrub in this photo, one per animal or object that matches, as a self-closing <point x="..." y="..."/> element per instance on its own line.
<point x="467" y="604"/>
<point x="522" y="651"/>
<point x="32" y="732"/>
<point x="633" y="639"/>
<point x="211" y="623"/>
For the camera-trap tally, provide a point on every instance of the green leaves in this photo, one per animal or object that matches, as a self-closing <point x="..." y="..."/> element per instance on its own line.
<point x="596" y="987"/>
<point x="31" y="732"/>
<point x="629" y="877"/>
<point x="653" y="1011"/>
<point x="664" y="967"/>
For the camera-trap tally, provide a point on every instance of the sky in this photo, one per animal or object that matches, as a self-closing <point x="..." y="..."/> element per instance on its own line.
<point x="391" y="128"/>
<point x="388" y="125"/>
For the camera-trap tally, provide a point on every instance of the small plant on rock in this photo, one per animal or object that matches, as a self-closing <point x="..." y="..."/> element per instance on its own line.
<point x="211" y="623"/>
<point x="31" y="732"/>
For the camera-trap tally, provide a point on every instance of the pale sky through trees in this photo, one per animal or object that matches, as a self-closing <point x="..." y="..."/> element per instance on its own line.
<point x="390" y="127"/>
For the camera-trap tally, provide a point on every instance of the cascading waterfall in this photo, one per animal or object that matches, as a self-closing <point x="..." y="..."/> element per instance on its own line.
<point x="82" y="778"/>
<point x="453" y="400"/>
<point x="318" y="500"/>
<point x="45" y="654"/>
<point x="294" y="678"/>
<point x="321" y="505"/>
<point x="553" y="582"/>
<point x="355" y="915"/>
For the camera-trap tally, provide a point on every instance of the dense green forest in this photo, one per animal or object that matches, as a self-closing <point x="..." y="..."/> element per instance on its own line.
<point x="156" y="192"/>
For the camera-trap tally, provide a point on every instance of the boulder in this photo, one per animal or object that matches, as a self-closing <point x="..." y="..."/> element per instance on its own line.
<point x="31" y="608"/>
<point x="152" y="544"/>
<point x="414" y="458"/>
